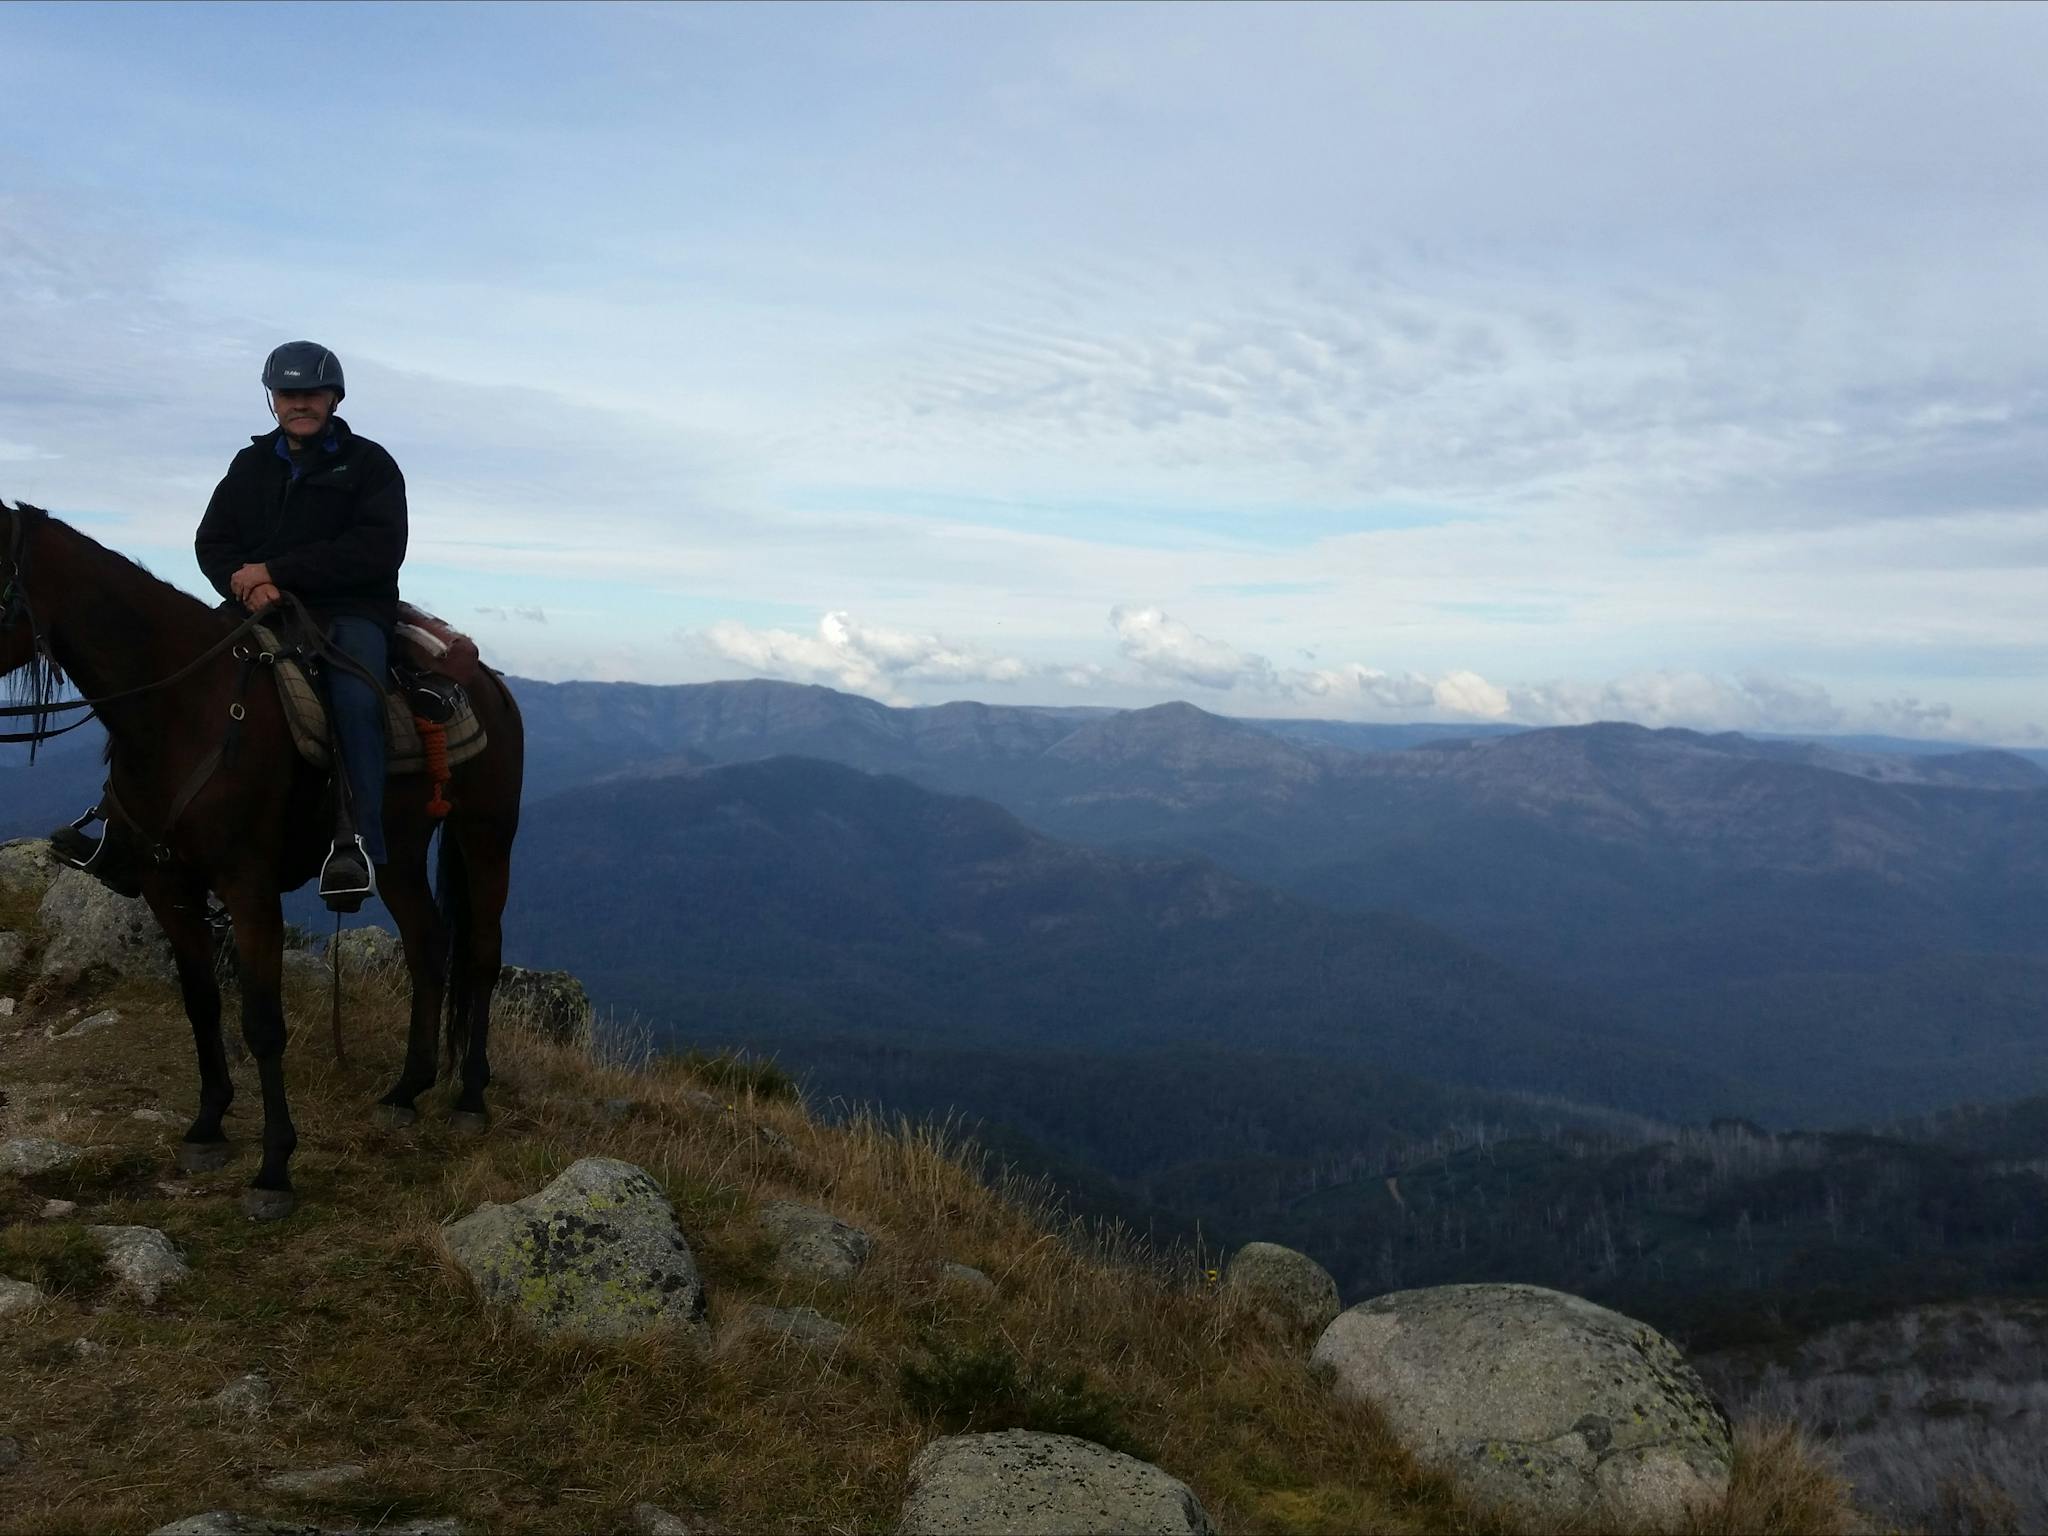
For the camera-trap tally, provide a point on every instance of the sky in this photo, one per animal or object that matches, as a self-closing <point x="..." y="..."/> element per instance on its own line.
<point x="1545" y="364"/>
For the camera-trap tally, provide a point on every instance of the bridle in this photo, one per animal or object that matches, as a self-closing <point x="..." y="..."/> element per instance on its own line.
<point x="14" y="595"/>
<point x="15" y="608"/>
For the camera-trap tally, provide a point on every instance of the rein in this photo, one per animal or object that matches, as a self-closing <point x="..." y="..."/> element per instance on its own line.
<point x="16" y="711"/>
<point x="305" y="640"/>
<point x="14" y="605"/>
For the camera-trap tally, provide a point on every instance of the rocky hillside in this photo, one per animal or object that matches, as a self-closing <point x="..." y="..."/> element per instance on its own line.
<point x="671" y="1300"/>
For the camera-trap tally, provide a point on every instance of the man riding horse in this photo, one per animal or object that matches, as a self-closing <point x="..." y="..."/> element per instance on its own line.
<point x="313" y="509"/>
<point x="210" y="796"/>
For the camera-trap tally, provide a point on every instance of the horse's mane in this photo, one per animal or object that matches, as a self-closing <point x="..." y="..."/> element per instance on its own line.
<point x="164" y="588"/>
<point x="39" y="682"/>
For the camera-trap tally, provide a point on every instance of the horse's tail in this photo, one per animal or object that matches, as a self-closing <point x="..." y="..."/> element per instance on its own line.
<point x="451" y="894"/>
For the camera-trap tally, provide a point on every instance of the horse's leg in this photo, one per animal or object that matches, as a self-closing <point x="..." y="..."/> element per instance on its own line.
<point x="259" y="946"/>
<point x="411" y="903"/>
<point x="179" y="902"/>
<point x="485" y="868"/>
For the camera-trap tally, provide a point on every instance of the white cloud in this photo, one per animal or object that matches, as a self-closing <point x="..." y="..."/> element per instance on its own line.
<point x="1168" y="650"/>
<point x="1367" y="686"/>
<point x="1699" y="700"/>
<point x="1163" y="647"/>
<point x="860" y="658"/>
<point x="1467" y="693"/>
<point x="1910" y="716"/>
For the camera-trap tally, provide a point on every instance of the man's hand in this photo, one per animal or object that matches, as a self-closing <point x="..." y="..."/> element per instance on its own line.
<point x="247" y="580"/>
<point x="261" y="596"/>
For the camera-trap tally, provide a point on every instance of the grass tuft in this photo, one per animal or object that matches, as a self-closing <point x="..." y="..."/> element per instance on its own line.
<point x="984" y="1387"/>
<point x="736" y="1073"/>
<point x="1780" y="1483"/>
<point x="60" y="1258"/>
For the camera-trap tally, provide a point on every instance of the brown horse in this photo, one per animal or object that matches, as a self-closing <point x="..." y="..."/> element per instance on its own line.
<point x="169" y="676"/>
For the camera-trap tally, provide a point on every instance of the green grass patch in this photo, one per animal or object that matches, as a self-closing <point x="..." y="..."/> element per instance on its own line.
<point x="59" y="1258"/>
<point x="733" y="1073"/>
<point x="101" y="1174"/>
<point x="982" y="1387"/>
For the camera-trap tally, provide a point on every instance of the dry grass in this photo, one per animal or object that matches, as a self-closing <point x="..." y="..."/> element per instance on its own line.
<point x="381" y="1356"/>
<point x="1781" y="1483"/>
<point x="1932" y="1413"/>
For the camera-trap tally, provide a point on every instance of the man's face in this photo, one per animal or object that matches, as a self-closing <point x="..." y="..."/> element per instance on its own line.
<point x="303" y="412"/>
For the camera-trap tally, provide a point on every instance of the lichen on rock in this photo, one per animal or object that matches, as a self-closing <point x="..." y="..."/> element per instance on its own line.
<point x="27" y="866"/>
<point x="142" y="1259"/>
<point x="24" y="1155"/>
<point x="1537" y="1400"/>
<point x="366" y="948"/>
<point x="1022" y="1483"/>
<point x="19" y="1296"/>
<point x="597" y="1251"/>
<point x="1281" y="1288"/>
<point x="89" y="931"/>
<point x="805" y="1327"/>
<point x="248" y="1396"/>
<point x="814" y="1245"/>
<point x="552" y="1004"/>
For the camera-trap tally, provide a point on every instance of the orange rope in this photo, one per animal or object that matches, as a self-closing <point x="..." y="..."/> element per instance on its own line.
<point x="434" y="738"/>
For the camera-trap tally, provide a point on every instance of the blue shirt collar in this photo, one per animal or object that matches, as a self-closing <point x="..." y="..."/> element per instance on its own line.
<point x="331" y="443"/>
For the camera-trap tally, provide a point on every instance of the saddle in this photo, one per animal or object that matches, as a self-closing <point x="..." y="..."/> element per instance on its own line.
<point x="430" y="677"/>
<point x="431" y="727"/>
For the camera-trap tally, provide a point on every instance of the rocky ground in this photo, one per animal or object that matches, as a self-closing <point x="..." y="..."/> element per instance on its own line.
<point x="664" y="1300"/>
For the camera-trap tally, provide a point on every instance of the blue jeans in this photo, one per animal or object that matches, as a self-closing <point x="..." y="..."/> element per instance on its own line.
<point x="358" y="714"/>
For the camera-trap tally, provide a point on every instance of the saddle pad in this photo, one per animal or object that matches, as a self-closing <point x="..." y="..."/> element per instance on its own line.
<point x="306" y="712"/>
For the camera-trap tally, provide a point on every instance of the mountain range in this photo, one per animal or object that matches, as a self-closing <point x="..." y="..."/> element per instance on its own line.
<point x="1819" y="932"/>
<point x="1851" y="934"/>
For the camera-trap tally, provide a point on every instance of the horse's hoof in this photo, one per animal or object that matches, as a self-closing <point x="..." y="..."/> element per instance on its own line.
<point x="468" y="1122"/>
<point x="396" y="1117"/>
<point x="203" y="1156"/>
<point x="268" y="1204"/>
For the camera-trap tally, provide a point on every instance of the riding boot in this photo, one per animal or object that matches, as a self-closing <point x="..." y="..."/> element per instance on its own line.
<point x="357" y="711"/>
<point x="347" y="879"/>
<point x="111" y="858"/>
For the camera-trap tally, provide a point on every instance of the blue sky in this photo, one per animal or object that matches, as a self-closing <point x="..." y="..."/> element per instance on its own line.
<point x="1678" y="364"/>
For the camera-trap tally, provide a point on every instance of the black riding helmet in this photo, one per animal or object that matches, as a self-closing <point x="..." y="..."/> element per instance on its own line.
<point x="302" y="365"/>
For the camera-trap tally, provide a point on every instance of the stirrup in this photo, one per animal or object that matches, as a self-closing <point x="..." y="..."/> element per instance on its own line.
<point x="80" y="850"/>
<point x="347" y="878"/>
<point x="77" y="847"/>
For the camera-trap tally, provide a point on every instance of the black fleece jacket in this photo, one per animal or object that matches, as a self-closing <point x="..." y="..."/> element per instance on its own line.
<point x="331" y="526"/>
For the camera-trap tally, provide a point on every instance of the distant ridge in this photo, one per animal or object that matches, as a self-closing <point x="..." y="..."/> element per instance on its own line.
<point x="771" y="902"/>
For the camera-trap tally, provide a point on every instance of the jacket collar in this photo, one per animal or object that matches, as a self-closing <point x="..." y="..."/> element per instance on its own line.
<point x="337" y="438"/>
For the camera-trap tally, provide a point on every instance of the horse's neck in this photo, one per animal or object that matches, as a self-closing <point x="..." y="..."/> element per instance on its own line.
<point x="112" y="626"/>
